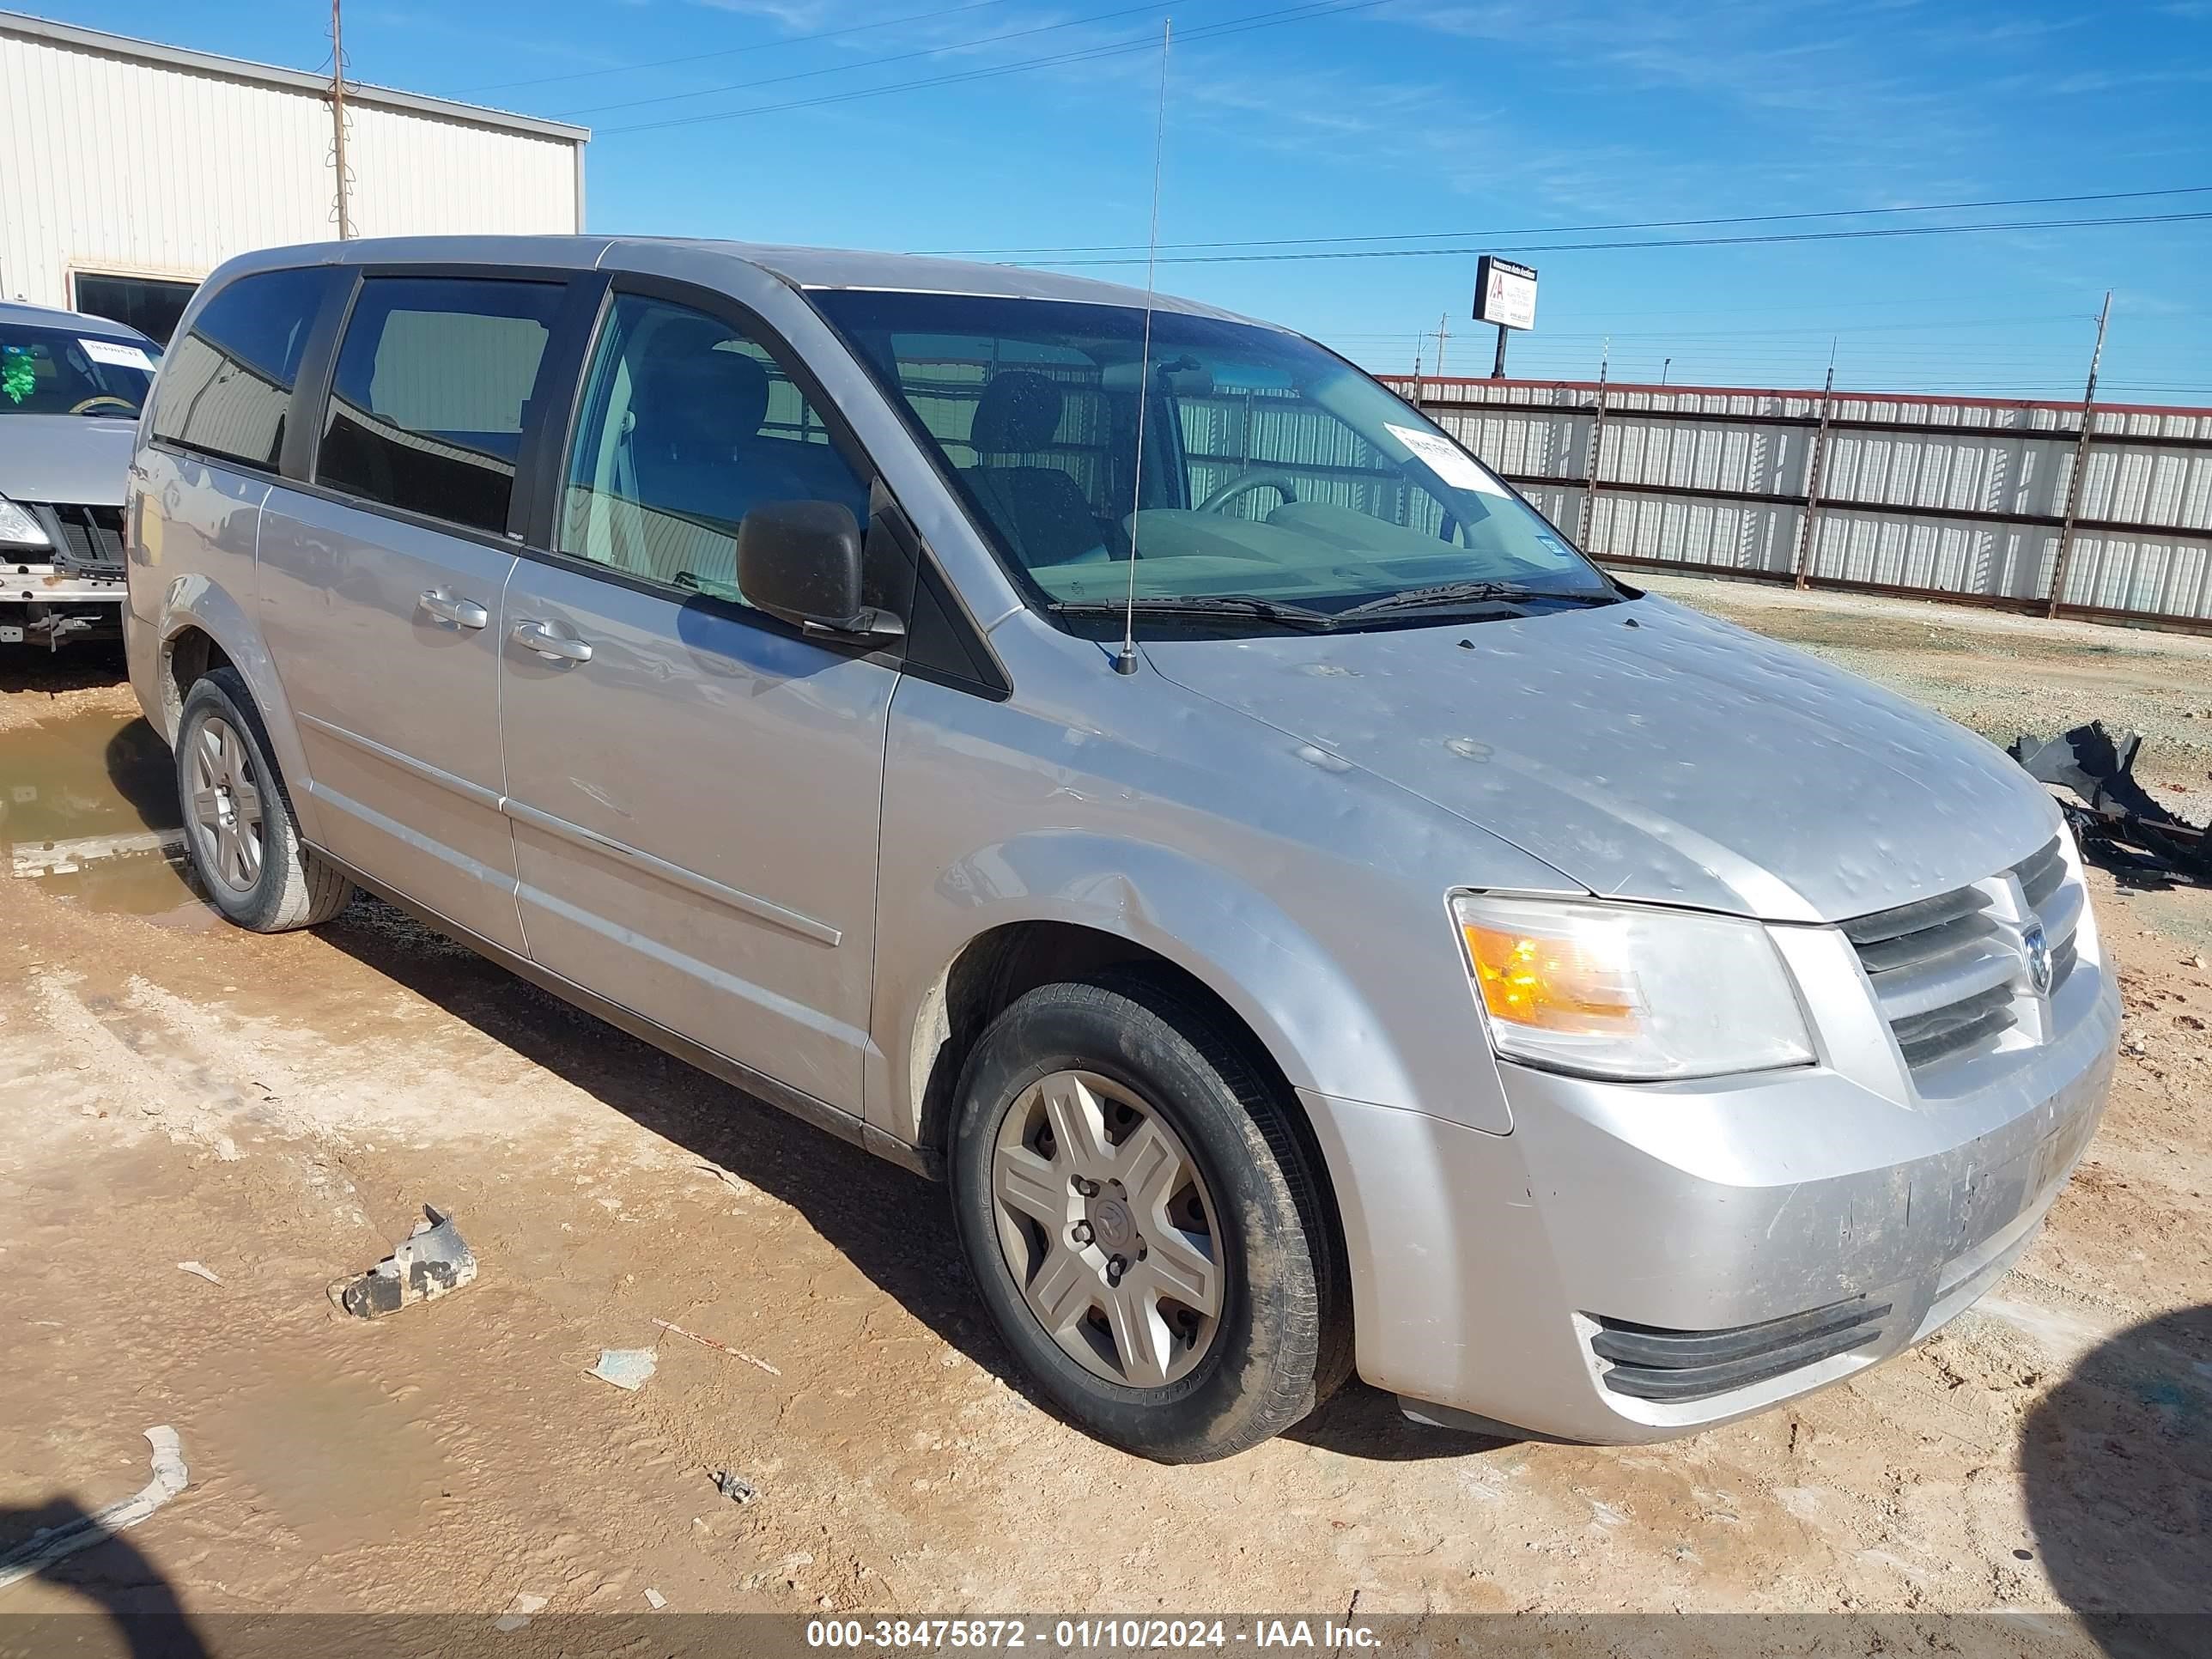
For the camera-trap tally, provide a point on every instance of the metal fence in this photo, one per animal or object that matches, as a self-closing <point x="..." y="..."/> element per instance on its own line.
<point x="1967" y="499"/>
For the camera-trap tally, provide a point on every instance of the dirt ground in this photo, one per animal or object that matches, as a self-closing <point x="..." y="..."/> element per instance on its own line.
<point x="277" y="1110"/>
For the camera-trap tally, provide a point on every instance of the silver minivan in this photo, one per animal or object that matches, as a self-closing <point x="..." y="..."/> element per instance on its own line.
<point x="1121" y="761"/>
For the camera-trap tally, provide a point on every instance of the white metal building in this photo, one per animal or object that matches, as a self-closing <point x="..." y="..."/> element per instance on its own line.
<point x="129" y="170"/>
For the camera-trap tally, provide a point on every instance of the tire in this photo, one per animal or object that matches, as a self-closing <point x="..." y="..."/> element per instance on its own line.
<point x="239" y="831"/>
<point x="1205" y="1376"/>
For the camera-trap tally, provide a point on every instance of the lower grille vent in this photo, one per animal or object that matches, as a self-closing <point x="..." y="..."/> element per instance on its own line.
<point x="1649" y="1362"/>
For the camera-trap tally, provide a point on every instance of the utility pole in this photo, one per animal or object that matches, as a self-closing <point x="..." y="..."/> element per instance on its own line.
<point x="2081" y="464"/>
<point x="1420" y="342"/>
<point x="1597" y="450"/>
<point x="1814" y="465"/>
<point x="1443" y="328"/>
<point x="338" y="117"/>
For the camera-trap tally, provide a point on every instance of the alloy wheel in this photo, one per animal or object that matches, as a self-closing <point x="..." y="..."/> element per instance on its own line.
<point x="225" y="806"/>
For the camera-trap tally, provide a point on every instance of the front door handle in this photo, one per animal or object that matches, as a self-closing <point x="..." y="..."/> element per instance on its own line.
<point x="462" y="613"/>
<point x="536" y="636"/>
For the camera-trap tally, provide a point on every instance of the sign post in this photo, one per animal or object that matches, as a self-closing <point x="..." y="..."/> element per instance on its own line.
<point x="1505" y="295"/>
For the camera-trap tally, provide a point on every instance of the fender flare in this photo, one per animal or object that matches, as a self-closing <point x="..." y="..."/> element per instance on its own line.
<point x="1321" y="1029"/>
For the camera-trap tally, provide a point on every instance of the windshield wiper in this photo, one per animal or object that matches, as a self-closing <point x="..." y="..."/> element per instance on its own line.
<point x="1201" y="605"/>
<point x="1446" y="594"/>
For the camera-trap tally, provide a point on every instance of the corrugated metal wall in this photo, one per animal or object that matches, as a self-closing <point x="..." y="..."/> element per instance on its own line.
<point x="112" y="163"/>
<point x="1963" y="498"/>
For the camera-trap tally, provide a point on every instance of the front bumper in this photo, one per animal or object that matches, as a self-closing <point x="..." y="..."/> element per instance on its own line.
<point x="46" y="603"/>
<point x="1487" y="1269"/>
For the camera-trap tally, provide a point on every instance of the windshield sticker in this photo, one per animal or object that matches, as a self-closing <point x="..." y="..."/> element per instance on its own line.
<point x="19" y="376"/>
<point x="1445" y="459"/>
<point x="117" y="354"/>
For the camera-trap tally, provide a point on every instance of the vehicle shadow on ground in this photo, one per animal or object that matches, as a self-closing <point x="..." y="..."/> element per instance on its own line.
<point x="115" y="1578"/>
<point x="2117" y="1462"/>
<point x="895" y="1227"/>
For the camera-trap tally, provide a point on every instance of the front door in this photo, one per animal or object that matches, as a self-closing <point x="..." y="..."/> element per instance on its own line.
<point x="695" y="788"/>
<point x="381" y="587"/>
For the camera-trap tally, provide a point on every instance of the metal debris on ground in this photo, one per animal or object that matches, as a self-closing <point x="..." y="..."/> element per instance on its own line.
<point x="429" y="1262"/>
<point x="626" y="1368"/>
<point x="719" y="1347"/>
<point x="198" y="1270"/>
<point x="2109" y="809"/>
<point x="41" y="1549"/>
<point x="734" y="1486"/>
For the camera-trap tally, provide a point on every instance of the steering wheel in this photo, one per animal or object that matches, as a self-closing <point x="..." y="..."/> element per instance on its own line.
<point x="91" y="404"/>
<point x="1252" y="478"/>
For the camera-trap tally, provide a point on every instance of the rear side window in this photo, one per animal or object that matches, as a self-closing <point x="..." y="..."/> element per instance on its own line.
<point x="228" y="389"/>
<point x="432" y="392"/>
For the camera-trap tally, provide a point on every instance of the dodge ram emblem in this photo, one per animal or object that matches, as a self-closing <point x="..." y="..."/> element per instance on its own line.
<point x="2038" y="959"/>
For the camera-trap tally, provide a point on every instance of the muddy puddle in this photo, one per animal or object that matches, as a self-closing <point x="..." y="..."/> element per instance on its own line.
<point x="88" y="810"/>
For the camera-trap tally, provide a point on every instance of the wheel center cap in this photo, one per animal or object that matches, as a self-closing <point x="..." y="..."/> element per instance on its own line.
<point x="1112" y="1224"/>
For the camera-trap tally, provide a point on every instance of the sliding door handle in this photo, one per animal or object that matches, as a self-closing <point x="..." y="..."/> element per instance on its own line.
<point x="562" y="648"/>
<point x="462" y="613"/>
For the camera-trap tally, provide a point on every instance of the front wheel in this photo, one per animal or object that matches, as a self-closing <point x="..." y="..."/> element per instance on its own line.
<point x="1142" y="1224"/>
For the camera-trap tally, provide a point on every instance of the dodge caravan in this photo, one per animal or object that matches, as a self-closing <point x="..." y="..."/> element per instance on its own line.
<point x="1124" y="762"/>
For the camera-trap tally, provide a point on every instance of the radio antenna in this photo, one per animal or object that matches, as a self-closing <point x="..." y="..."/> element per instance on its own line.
<point x="1126" y="662"/>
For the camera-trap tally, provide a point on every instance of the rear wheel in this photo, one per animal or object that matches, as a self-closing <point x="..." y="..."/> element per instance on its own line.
<point x="240" y="832"/>
<point x="1141" y="1222"/>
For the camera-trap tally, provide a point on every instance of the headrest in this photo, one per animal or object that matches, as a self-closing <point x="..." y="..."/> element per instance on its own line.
<point x="705" y="398"/>
<point x="1017" y="415"/>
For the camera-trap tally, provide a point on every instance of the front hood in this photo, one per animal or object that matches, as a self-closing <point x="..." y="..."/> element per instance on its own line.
<point x="79" y="458"/>
<point x="1677" y="759"/>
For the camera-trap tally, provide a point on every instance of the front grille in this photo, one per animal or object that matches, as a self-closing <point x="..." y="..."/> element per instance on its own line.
<point x="91" y="537"/>
<point x="1947" y="972"/>
<point x="1649" y="1362"/>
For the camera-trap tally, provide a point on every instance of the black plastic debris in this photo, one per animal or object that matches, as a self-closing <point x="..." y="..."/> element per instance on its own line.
<point x="2109" y="809"/>
<point x="431" y="1261"/>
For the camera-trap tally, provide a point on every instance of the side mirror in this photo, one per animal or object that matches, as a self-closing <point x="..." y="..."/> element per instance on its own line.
<point x="801" y="561"/>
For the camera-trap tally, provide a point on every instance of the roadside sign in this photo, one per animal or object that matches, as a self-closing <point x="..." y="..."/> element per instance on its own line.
<point x="1504" y="292"/>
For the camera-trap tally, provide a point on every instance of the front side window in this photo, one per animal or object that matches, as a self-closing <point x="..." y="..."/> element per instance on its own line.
<point x="228" y="388"/>
<point x="428" y="402"/>
<point x="51" y="371"/>
<point x="688" y="424"/>
<point x="1271" y="470"/>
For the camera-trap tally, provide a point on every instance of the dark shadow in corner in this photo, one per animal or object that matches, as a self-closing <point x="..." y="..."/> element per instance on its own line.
<point x="2117" y="1465"/>
<point x="115" y="1577"/>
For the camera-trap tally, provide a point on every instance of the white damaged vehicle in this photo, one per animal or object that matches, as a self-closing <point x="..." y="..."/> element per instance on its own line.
<point x="70" y="390"/>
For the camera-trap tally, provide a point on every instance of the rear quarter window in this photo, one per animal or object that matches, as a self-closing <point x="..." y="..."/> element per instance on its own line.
<point x="225" y="388"/>
<point x="428" y="403"/>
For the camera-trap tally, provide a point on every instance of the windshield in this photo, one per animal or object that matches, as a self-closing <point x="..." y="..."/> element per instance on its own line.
<point x="1272" y="471"/>
<point x="51" y="371"/>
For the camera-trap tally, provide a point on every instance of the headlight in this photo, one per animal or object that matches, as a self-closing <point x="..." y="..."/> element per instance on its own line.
<point x="19" y="529"/>
<point x="1630" y="991"/>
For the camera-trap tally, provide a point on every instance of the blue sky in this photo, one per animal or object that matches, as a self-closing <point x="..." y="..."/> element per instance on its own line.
<point x="1409" y="120"/>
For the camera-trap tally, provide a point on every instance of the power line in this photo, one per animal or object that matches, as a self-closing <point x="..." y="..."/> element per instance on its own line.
<point x="870" y="63"/>
<point x="1678" y="241"/>
<point x="1088" y="54"/>
<point x="734" y="52"/>
<point x="1574" y="230"/>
